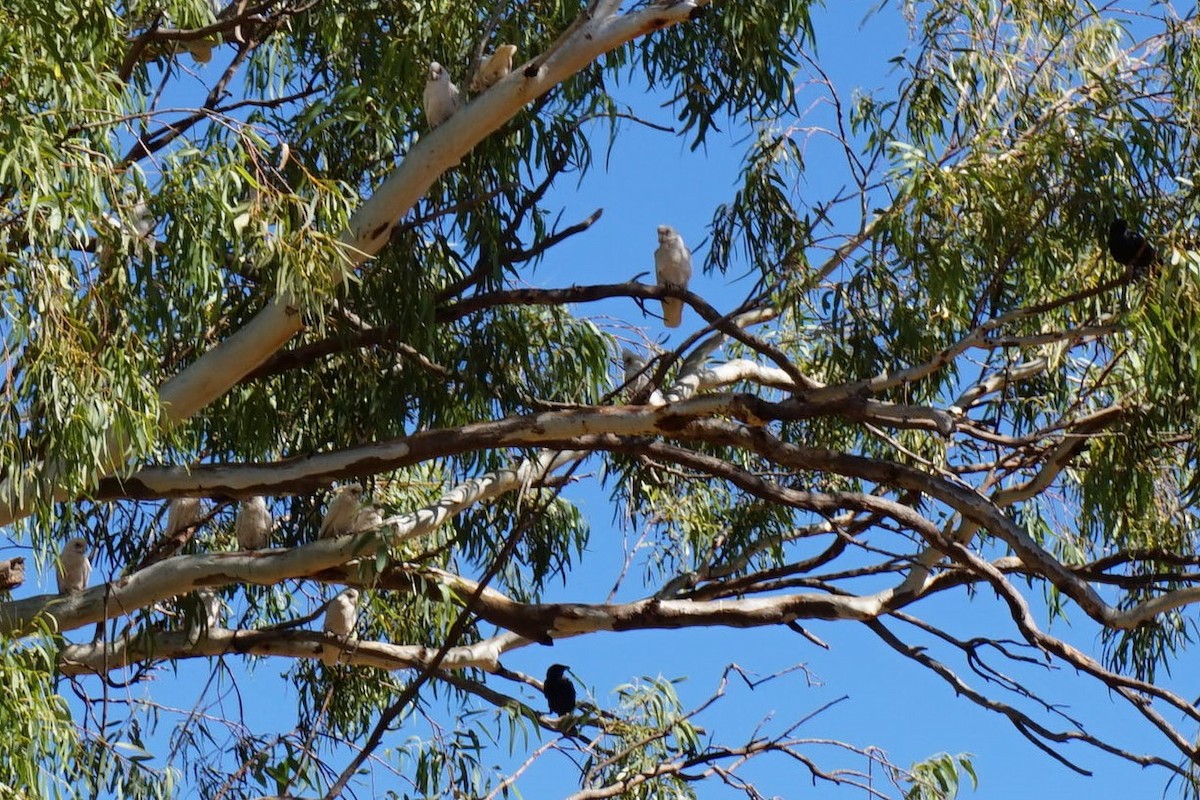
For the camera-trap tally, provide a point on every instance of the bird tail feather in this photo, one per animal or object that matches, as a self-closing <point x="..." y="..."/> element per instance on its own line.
<point x="672" y="312"/>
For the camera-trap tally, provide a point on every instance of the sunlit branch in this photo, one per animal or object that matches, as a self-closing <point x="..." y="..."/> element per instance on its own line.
<point x="1000" y="380"/>
<point x="182" y="574"/>
<point x="155" y="646"/>
<point x="302" y="476"/>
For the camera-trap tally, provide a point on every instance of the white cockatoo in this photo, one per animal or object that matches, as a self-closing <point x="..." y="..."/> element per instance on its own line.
<point x="342" y="510"/>
<point x="253" y="524"/>
<point x="494" y="67"/>
<point x="143" y="222"/>
<point x="182" y="513"/>
<point x="74" y="568"/>
<point x="672" y="267"/>
<point x="200" y="49"/>
<point x="210" y="605"/>
<point x="341" y="615"/>
<point x="368" y="519"/>
<point x="635" y="378"/>
<point x="441" y="96"/>
<point x="138" y="226"/>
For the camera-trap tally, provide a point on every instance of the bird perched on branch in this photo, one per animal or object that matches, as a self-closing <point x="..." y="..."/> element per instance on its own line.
<point x="182" y="513"/>
<point x="559" y="691"/>
<point x="1130" y="249"/>
<point x="441" y="96"/>
<point x="74" y="567"/>
<point x="200" y="49"/>
<point x="210" y="606"/>
<point x="253" y="524"/>
<point x="672" y="267"/>
<point x="635" y="377"/>
<point x="342" y="510"/>
<point x="368" y="519"/>
<point x="204" y="616"/>
<point x="341" y="615"/>
<point x="495" y="67"/>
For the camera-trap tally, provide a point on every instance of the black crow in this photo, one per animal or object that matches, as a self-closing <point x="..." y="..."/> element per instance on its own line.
<point x="559" y="691"/>
<point x="1130" y="248"/>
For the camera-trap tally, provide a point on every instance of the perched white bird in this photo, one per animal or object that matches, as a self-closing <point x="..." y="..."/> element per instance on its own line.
<point x="253" y="524"/>
<point x="138" y="226"/>
<point x="210" y="604"/>
<point x="74" y="568"/>
<point x="143" y="222"/>
<point x="635" y="378"/>
<point x="200" y="49"/>
<point x="672" y="267"/>
<point x="182" y="513"/>
<point x="341" y="615"/>
<point x="497" y="65"/>
<point x="342" y="510"/>
<point x="368" y="519"/>
<point x="441" y="96"/>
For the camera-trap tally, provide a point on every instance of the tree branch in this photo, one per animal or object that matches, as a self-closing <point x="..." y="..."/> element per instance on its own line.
<point x="154" y="646"/>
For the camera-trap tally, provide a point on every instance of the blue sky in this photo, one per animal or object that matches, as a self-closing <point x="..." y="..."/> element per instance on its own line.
<point x="879" y="698"/>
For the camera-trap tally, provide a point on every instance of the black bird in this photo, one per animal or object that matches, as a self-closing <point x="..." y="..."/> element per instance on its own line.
<point x="559" y="691"/>
<point x="1130" y="248"/>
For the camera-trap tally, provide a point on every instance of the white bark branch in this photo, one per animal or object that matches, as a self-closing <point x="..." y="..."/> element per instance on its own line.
<point x="996" y="382"/>
<point x="154" y="646"/>
<point x="308" y="474"/>
<point x="564" y="619"/>
<point x="182" y="574"/>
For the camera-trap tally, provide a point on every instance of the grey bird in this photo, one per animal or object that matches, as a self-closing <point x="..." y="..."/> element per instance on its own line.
<point x="341" y="615"/>
<point x="74" y="567"/>
<point x="342" y="511"/>
<point x="672" y="267"/>
<point x="441" y="96"/>
<point x="253" y="524"/>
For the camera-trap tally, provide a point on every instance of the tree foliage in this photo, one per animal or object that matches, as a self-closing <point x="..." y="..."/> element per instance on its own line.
<point x="237" y="262"/>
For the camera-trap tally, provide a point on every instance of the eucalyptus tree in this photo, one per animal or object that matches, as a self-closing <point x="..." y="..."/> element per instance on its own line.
<point x="240" y="263"/>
